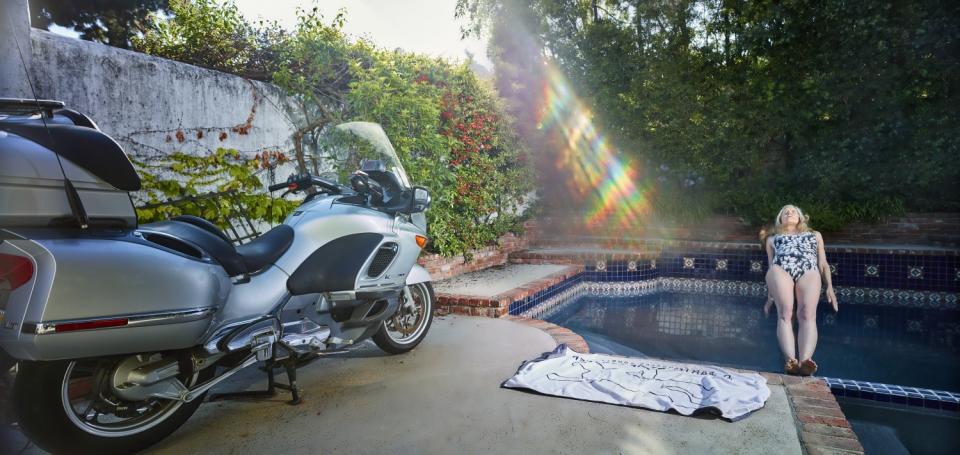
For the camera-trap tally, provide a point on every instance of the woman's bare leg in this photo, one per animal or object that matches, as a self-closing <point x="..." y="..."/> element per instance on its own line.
<point x="808" y="295"/>
<point x="781" y="288"/>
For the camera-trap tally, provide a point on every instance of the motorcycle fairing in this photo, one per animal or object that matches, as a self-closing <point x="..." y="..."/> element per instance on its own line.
<point x="335" y="265"/>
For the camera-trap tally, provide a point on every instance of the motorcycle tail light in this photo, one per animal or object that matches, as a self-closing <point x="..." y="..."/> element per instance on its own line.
<point x="15" y="270"/>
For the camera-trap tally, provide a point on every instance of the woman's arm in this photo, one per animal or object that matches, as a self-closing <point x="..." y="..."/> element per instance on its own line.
<point x="824" y="267"/>
<point x="769" y="248"/>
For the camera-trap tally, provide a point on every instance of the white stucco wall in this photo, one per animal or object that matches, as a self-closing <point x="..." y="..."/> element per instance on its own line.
<point x="144" y="102"/>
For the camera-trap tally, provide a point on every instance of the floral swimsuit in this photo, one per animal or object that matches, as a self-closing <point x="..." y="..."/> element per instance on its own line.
<point x="796" y="254"/>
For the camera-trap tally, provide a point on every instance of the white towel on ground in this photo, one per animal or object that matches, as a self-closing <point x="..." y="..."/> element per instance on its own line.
<point x="645" y="383"/>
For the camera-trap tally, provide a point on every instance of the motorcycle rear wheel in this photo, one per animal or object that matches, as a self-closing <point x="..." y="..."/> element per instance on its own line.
<point x="49" y="403"/>
<point x="407" y="327"/>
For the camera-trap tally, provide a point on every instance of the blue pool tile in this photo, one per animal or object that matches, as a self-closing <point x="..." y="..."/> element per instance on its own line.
<point x="915" y="401"/>
<point x="869" y="395"/>
<point x="883" y="397"/>
<point x="899" y="399"/>
<point x="948" y="406"/>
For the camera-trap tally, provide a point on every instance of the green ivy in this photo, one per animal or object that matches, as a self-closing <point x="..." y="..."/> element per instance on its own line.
<point x="191" y="178"/>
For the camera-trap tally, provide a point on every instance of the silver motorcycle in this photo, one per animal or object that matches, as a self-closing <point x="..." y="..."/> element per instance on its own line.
<point x="118" y="330"/>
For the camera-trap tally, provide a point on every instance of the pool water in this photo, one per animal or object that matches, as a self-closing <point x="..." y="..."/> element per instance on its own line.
<point x="865" y="341"/>
<point x="886" y="430"/>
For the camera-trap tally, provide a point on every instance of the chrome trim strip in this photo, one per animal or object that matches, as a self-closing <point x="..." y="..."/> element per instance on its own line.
<point x="133" y="320"/>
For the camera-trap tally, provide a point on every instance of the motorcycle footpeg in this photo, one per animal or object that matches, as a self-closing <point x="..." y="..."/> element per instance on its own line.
<point x="336" y="341"/>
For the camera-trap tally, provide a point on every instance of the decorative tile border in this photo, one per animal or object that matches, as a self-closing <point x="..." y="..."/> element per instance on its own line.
<point x="888" y="393"/>
<point x="849" y="267"/>
<point x="846" y="294"/>
<point x="543" y="300"/>
<point x="547" y="308"/>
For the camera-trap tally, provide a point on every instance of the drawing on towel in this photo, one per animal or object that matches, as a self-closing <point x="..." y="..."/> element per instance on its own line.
<point x="647" y="383"/>
<point x="658" y="381"/>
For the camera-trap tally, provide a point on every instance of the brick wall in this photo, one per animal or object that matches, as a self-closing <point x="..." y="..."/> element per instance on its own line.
<point x="441" y="268"/>
<point x="936" y="229"/>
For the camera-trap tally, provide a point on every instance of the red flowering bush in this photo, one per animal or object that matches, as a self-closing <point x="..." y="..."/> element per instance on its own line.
<point x="454" y="137"/>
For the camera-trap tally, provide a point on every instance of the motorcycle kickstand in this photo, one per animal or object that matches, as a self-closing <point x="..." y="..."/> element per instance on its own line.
<point x="290" y="365"/>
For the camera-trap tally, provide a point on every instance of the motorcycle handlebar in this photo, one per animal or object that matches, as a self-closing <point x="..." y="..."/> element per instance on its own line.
<point x="306" y="181"/>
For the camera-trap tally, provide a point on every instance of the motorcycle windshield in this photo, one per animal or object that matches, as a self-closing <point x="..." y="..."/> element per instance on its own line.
<point x="353" y="146"/>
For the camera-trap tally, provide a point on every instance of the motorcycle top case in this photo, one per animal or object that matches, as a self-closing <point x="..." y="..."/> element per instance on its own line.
<point x="32" y="192"/>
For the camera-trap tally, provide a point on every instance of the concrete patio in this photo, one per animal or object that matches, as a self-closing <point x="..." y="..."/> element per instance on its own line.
<point x="445" y="397"/>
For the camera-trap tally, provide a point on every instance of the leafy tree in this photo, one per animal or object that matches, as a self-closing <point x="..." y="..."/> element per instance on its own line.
<point x="849" y="108"/>
<point x="208" y="34"/>
<point x="113" y="22"/>
<point x="453" y="135"/>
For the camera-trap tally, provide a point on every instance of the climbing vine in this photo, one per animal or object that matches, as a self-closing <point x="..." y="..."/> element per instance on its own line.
<point x="218" y="186"/>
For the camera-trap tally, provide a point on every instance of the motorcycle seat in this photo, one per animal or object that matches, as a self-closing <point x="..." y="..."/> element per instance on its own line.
<point x="217" y="247"/>
<point x="267" y="248"/>
<point x="257" y="254"/>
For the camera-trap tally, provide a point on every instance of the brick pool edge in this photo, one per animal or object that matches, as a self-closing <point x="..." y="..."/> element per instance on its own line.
<point x="499" y="305"/>
<point x="821" y="424"/>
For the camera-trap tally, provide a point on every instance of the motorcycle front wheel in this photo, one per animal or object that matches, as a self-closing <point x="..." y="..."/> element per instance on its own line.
<point x="407" y="327"/>
<point x="68" y="407"/>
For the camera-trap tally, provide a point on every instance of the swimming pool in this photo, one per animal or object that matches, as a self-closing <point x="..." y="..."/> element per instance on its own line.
<point x="890" y="355"/>
<point x="892" y="358"/>
<point x="867" y="342"/>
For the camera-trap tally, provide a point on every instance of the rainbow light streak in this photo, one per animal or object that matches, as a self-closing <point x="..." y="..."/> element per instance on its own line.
<point x="607" y="182"/>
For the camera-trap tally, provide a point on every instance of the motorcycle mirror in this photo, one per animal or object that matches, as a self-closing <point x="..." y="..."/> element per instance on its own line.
<point x="360" y="183"/>
<point x="421" y="199"/>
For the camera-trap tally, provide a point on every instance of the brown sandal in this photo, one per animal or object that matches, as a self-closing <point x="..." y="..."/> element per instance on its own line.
<point x="791" y="367"/>
<point x="808" y="367"/>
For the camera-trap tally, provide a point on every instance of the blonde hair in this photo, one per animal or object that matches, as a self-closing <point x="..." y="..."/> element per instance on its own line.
<point x="777" y="228"/>
<point x="801" y="226"/>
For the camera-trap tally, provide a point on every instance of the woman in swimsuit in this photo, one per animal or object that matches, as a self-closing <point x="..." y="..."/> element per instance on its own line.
<point x="797" y="266"/>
